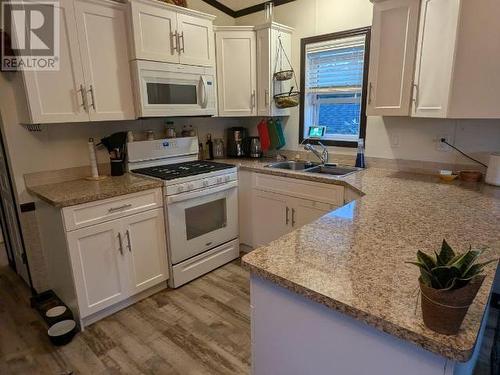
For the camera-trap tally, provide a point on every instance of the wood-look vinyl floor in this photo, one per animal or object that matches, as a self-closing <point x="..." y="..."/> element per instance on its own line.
<point x="200" y="328"/>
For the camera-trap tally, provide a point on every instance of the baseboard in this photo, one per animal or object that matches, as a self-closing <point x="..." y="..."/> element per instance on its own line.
<point x="88" y="320"/>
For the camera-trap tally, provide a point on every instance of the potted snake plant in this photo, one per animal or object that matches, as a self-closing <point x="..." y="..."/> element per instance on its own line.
<point x="449" y="283"/>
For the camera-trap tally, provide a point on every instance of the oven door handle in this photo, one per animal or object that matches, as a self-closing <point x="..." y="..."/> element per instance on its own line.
<point x="202" y="193"/>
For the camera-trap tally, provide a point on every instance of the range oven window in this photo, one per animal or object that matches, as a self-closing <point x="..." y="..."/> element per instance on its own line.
<point x="168" y="93"/>
<point x="205" y="218"/>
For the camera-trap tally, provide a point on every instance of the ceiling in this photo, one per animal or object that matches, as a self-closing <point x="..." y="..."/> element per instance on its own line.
<point x="240" y="4"/>
<point x="238" y="8"/>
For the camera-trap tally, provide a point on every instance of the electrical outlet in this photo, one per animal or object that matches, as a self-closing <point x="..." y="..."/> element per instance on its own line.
<point x="441" y="146"/>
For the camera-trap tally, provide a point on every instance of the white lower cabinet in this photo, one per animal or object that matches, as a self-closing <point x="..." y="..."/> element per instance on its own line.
<point x="112" y="259"/>
<point x="98" y="266"/>
<point x="146" y="252"/>
<point x="281" y="204"/>
<point x="272" y="217"/>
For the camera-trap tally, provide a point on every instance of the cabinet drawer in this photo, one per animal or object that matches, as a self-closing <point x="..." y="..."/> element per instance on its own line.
<point x="315" y="191"/>
<point x="92" y="213"/>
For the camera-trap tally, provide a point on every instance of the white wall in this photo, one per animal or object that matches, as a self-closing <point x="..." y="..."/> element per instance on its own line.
<point x="60" y="146"/>
<point x="390" y="137"/>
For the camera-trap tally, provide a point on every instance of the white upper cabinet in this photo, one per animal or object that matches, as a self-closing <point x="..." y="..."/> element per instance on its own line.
<point x="455" y="66"/>
<point x="59" y="96"/>
<point x="392" y="57"/>
<point x="435" y="56"/>
<point x="196" y="40"/>
<point x="168" y="33"/>
<point x="94" y="80"/>
<point x="154" y="31"/>
<point x="269" y="60"/>
<point x="103" y="44"/>
<point x="236" y="71"/>
<point x="247" y="57"/>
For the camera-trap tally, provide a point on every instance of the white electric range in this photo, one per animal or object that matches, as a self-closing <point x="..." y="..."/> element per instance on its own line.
<point x="201" y="204"/>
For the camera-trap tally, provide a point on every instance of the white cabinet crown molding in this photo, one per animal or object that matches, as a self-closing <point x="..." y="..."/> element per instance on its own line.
<point x="176" y="8"/>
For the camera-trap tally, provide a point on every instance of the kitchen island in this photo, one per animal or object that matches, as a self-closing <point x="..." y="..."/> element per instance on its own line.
<point x="336" y="297"/>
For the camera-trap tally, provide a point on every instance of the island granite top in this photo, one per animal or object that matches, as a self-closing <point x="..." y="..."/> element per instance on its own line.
<point x="353" y="259"/>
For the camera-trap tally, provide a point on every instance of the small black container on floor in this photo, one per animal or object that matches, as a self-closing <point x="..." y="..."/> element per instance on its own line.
<point x="62" y="332"/>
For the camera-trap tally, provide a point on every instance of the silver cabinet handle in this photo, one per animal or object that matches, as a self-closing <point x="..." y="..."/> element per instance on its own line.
<point x="286" y="216"/>
<point x="181" y="37"/>
<point x="370" y="87"/>
<point x="174" y="41"/>
<point x="127" y="233"/>
<point x="252" y="99"/>
<point x="120" y="242"/>
<point x="293" y="217"/>
<point x="266" y="97"/>
<point x="92" y="96"/>
<point x="114" y="209"/>
<point x="83" y="92"/>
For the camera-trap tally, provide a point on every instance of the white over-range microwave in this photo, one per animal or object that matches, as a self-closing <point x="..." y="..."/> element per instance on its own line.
<point x="163" y="89"/>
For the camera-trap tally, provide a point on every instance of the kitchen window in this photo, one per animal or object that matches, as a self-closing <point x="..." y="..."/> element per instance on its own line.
<point x="334" y="70"/>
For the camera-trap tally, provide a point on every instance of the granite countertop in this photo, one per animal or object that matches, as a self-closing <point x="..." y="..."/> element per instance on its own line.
<point x="75" y="192"/>
<point x="353" y="259"/>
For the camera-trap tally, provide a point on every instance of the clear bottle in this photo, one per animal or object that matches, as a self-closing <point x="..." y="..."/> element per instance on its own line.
<point x="360" y="157"/>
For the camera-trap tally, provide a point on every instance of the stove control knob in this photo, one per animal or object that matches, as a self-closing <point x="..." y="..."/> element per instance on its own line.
<point x="219" y="180"/>
<point x="205" y="183"/>
<point x="227" y="178"/>
<point x="190" y="186"/>
<point x="180" y="188"/>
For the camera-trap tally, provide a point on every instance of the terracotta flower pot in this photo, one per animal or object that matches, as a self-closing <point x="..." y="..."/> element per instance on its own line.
<point x="443" y="311"/>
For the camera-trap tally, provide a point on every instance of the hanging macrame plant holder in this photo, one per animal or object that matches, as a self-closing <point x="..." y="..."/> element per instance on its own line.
<point x="283" y="73"/>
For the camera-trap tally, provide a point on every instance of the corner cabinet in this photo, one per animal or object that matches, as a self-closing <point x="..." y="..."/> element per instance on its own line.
<point x="275" y="206"/>
<point x="94" y="80"/>
<point x="246" y="59"/>
<point x="452" y="73"/>
<point x="103" y="256"/>
<point x="168" y="33"/>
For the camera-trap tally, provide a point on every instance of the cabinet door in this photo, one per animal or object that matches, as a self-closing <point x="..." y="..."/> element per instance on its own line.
<point x="435" y="57"/>
<point x="392" y="57"/>
<point x="305" y="211"/>
<point x="153" y="32"/>
<point x="58" y="96"/>
<point x="196" y="40"/>
<point x="146" y="249"/>
<point x="272" y="216"/>
<point x="103" y="41"/>
<point x="236" y="73"/>
<point x="269" y="60"/>
<point x="99" y="266"/>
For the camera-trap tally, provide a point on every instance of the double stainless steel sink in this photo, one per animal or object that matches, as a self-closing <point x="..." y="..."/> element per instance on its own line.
<point x="309" y="167"/>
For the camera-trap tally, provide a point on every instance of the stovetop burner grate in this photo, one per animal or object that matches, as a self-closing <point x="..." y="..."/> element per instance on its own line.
<point x="179" y="170"/>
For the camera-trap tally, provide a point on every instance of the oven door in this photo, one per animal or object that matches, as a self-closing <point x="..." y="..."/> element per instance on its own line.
<point x="201" y="220"/>
<point x="174" y="90"/>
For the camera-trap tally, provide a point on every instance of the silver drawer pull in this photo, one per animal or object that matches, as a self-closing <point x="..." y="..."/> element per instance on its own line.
<point x="127" y="233"/>
<point x="114" y="209"/>
<point x="120" y="243"/>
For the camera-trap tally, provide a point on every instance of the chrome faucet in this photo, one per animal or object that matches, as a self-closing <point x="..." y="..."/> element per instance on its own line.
<point x="322" y="156"/>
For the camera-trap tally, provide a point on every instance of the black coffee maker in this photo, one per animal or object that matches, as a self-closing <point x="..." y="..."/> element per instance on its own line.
<point x="235" y="142"/>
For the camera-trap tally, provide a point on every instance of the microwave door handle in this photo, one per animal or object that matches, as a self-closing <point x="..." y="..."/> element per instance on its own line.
<point x="204" y="102"/>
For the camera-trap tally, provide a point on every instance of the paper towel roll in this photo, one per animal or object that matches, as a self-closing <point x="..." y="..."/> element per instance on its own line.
<point x="93" y="159"/>
<point x="493" y="173"/>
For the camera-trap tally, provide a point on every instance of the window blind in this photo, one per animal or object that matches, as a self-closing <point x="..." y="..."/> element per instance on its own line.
<point x="335" y="65"/>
